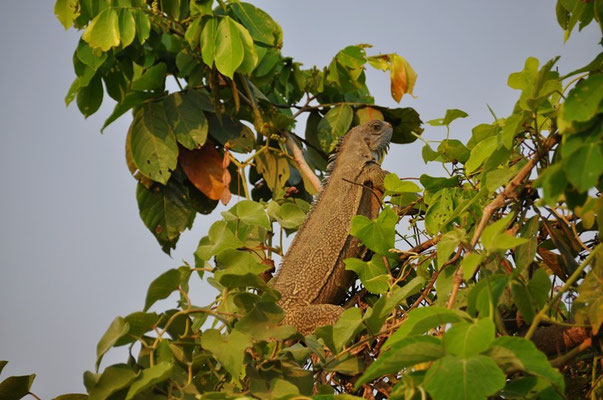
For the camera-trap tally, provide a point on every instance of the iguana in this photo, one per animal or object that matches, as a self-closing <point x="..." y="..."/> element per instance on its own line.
<point x="312" y="278"/>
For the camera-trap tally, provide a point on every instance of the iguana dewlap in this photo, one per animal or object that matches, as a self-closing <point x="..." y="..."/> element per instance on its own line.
<point x="312" y="278"/>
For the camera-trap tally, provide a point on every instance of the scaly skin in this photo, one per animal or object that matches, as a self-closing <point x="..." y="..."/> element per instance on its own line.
<point x="312" y="278"/>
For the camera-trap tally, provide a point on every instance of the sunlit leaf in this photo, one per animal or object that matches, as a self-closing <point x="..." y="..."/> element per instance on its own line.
<point x="470" y="378"/>
<point x="229" y="51"/>
<point x="406" y="353"/>
<point x="103" y="31"/>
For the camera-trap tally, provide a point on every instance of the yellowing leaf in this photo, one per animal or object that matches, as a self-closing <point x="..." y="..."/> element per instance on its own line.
<point x="403" y="77"/>
<point x="368" y="114"/>
<point x="103" y="31"/>
<point x="204" y="169"/>
<point x="66" y="11"/>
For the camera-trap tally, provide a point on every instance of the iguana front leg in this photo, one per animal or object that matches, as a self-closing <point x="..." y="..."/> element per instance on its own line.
<point x="374" y="175"/>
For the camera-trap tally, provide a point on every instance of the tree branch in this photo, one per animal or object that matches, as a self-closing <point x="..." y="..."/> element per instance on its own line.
<point x="509" y="191"/>
<point x="303" y="166"/>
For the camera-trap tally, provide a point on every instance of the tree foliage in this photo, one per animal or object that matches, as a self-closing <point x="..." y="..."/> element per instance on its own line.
<point x="484" y="282"/>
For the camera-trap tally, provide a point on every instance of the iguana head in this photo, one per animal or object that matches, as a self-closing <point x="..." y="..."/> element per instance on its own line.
<point x="370" y="140"/>
<point x="363" y="143"/>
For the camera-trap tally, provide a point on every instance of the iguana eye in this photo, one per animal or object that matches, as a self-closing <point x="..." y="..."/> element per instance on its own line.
<point x="376" y="126"/>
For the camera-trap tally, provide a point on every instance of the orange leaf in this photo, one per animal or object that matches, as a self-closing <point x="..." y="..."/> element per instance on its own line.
<point x="403" y="77"/>
<point x="368" y="114"/>
<point x="204" y="169"/>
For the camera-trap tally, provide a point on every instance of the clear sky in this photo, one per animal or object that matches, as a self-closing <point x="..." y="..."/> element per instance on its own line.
<point x="74" y="253"/>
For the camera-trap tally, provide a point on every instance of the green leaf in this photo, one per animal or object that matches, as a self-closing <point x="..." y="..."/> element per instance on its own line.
<point x="248" y="212"/>
<point x="393" y="184"/>
<point x="480" y="152"/>
<point x="154" y="146"/>
<point x="166" y="211"/>
<point x="90" y="98"/>
<point x="162" y="287"/>
<point x="375" y="318"/>
<point x="346" y="326"/>
<point x="262" y="27"/>
<point x="186" y="120"/>
<point x="103" y="31"/>
<point x="347" y="365"/>
<point x="127" y="27"/>
<point x="118" y="328"/>
<point x="495" y="238"/>
<point x="113" y="379"/>
<point x="439" y="212"/>
<point x="140" y="323"/>
<point x="208" y="41"/>
<point x="471" y="378"/>
<point x="406" y="353"/>
<point x="453" y="151"/>
<point x="152" y="78"/>
<point x="250" y="58"/>
<point x="143" y="25"/>
<point x="131" y="100"/>
<point x="334" y="125"/>
<point x="262" y="322"/>
<point x="510" y="129"/>
<point x="16" y="387"/>
<point x="467" y="339"/>
<point x="516" y="353"/>
<point x="193" y="33"/>
<point x="242" y="269"/>
<point x="406" y="123"/>
<point x="584" y="166"/>
<point x="229" y="52"/>
<point x="149" y="377"/>
<point x="447" y="244"/>
<point x="484" y="296"/>
<point x="219" y="238"/>
<point x="433" y="184"/>
<point x="67" y="11"/>
<point x="553" y="181"/>
<point x="372" y="274"/>
<point x="450" y="116"/>
<point x="470" y="263"/>
<point x="420" y="320"/>
<point x="228" y="350"/>
<point x="230" y="130"/>
<point x="92" y="58"/>
<point x="288" y="215"/>
<point x="377" y="235"/>
<point x="588" y="306"/>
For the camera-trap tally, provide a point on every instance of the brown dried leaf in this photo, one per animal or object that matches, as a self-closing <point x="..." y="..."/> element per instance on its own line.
<point x="553" y="261"/>
<point x="204" y="169"/>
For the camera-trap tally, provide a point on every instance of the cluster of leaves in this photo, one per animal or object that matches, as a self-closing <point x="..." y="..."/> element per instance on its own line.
<point x="463" y="269"/>
<point x="227" y="62"/>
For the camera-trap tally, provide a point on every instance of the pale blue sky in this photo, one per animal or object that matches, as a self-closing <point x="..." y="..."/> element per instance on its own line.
<point x="74" y="253"/>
